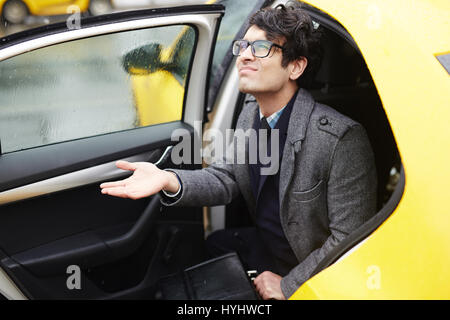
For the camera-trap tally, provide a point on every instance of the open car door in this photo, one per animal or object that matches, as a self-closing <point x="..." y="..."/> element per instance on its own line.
<point x="76" y="97"/>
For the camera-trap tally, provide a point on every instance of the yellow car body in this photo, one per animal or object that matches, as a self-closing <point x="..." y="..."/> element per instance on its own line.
<point x="408" y="256"/>
<point x="50" y="7"/>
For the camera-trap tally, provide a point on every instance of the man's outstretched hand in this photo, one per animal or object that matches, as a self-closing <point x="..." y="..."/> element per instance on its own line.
<point x="147" y="179"/>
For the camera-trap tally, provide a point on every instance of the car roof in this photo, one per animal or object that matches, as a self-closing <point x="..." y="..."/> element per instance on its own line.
<point x="425" y="22"/>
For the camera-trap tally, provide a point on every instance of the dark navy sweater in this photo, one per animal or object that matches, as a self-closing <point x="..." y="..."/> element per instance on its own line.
<point x="266" y="191"/>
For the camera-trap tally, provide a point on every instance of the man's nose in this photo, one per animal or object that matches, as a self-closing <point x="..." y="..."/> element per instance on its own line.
<point x="247" y="54"/>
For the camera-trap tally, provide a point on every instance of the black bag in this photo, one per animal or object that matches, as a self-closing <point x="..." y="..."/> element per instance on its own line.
<point x="222" y="278"/>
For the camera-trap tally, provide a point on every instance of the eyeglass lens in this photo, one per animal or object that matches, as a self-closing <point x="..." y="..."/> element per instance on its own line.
<point x="260" y="48"/>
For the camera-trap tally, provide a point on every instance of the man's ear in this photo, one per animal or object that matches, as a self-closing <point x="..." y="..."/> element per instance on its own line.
<point x="297" y="67"/>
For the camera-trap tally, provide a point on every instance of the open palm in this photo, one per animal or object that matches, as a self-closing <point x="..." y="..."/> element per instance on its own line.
<point x="147" y="179"/>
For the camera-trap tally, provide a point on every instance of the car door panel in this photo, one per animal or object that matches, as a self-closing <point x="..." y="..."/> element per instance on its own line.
<point x="96" y="238"/>
<point x="38" y="164"/>
<point x="52" y="213"/>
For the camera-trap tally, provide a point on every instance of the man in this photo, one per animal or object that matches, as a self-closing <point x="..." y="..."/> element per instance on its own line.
<point x="326" y="185"/>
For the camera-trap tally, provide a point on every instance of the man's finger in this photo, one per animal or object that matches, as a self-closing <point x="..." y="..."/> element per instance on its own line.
<point x="125" y="165"/>
<point x="116" y="192"/>
<point x="263" y="294"/>
<point x="112" y="184"/>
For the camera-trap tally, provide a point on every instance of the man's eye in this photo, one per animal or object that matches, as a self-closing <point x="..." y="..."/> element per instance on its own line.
<point x="263" y="46"/>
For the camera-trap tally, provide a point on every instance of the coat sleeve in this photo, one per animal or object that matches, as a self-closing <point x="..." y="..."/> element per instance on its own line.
<point x="211" y="186"/>
<point x="216" y="184"/>
<point x="351" y="200"/>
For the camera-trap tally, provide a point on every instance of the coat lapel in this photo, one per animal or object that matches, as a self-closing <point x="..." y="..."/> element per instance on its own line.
<point x="246" y="121"/>
<point x="296" y="132"/>
<point x="298" y="123"/>
<point x="281" y="126"/>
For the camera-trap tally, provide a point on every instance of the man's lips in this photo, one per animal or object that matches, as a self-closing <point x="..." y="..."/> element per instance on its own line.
<point x="246" y="69"/>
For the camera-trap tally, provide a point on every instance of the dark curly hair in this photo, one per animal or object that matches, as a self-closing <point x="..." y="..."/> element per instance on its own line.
<point x="293" y="25"/>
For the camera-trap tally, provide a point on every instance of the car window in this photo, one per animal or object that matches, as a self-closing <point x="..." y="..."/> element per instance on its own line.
<point x="94" y="86"/>
<point x="236" y="12"/>
<point x="233" y="22"/>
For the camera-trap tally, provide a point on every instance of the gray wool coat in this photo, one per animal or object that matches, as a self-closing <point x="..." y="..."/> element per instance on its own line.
<point x="327" y="182"/>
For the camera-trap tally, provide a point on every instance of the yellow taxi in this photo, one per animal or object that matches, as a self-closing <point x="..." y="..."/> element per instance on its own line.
<point x="120" y="86"/>
<point x="406" y="253"/>
<point x="16" y="11"/>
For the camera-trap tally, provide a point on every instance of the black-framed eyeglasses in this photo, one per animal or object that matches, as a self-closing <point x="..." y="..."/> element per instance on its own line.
<point x="260" y="48"/>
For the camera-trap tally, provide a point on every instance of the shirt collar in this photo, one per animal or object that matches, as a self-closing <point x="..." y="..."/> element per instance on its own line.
<point x="273" y="118"/>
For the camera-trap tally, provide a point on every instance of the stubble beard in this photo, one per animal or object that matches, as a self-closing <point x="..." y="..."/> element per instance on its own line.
<point x="247" y="87"/>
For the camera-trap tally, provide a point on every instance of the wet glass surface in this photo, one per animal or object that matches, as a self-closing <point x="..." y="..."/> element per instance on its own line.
<point x="80" y="89"/>
<point x="72" y="90"/>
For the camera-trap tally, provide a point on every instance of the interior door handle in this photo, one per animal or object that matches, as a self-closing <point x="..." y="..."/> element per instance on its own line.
<point x="131" y="240"/>
<point x="165" y="156"/>
<point x="90" y="249"/>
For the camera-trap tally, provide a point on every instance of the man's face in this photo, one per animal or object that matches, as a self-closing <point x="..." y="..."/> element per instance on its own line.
<point x="261" y="75"/>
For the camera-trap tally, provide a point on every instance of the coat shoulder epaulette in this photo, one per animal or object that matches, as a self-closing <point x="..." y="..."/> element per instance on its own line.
<point x="329" y="120"/>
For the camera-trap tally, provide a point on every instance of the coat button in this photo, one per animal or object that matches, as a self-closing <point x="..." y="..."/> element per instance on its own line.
<point x="324" y="121"/>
